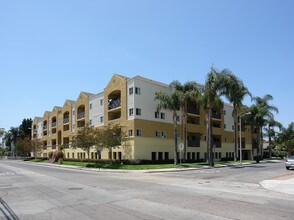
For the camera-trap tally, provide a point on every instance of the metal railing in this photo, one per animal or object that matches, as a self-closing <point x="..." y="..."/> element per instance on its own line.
<point x="65" y="120"/>
<point x="114" y="103"/>
<point x="81" y="115"/>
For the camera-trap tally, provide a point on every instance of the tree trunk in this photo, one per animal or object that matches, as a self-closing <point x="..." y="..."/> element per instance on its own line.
<point x="176" y="138"/>
<point x="261" y="143"/>
<point x="185" y="131"/>
<point x="211" y="154"/>
<point x="258" y="143"/>
<point x="269" y="143"/>
<point x="235" y="135"/>
<point x="207" y="138"/>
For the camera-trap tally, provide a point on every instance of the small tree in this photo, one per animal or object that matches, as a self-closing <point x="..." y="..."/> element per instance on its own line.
<point x="84" y="139"/>
<point x="23" y="147"/>
<point x="110" y="136"/>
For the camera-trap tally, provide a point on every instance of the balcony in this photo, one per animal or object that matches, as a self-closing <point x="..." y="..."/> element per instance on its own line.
<point x="81" y="115"/>
<point x="193" y="110"/>
<point x="65" y="120"/>
<point x="114" y="103"/>
<point x="53" y="125"/>
<point x="44" y="147"/>
<point x="66" y="145"/>
<point x="216" y="115"/>
<point x="53" y="146"/>
<point x="194" y="143"/>
<point x="217" y="144"/>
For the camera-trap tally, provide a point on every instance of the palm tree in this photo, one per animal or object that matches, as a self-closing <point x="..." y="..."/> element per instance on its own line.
<point x="172" y="102"/>
<point x="191" y="91"/>
<point x="271" y="133"/>
<point x="213" y="87"/>
<point x="235" y="92"/>
<point x="261" y="112"/>
<point x="286" y="139"/>
<point x="269" y="109"/>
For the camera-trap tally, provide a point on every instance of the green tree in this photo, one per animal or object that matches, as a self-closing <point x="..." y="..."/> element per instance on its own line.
<point x="214" y="86"/>
<point x="25" y="128"/>
<point x="285" y="139"/>
<point x="173" y="102"/>
<point x="260" y="112"/>
<point x="192" y="92"/>
<point x="84" y="139"/>
<point x="110" y="136"/>
<point x="23" y="147"/>
<point x="270" y="132"/>
<point x="235" y="91"/>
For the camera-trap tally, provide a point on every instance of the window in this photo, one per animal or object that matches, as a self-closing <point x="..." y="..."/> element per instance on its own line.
<point x="73" y="112"/>
<point x="101" y="119"/>
<point x="225" y="112"/>
<point x="156" y="114"/>
<point x="166" y="155"/>
<point x="233" y="127"/>
<point x="204" y="138"/>
<point x="225" y="139"/>
<point x="178" y="118"/>
<point x="224" y="126"/>
<point x="139" y="132"/>
<point x="131" y="112"/>
<point x="153" y="155"/>
<point x="137" y="91"/>
<point x="73" y="155"/>
<point x="138" y="111"/>
<point x="101" y="102"/>
<point x="163" y="135"/>
<point x="160" y="154"/>
<point x="219" y="155"/>
<point x="162" y="115"/>
<point x="157" y="133"/>
<point x="90" y="105"/>
<point x="130" y="132"/>
<point x="90" y="122"/>
<point x="131" y="91"/>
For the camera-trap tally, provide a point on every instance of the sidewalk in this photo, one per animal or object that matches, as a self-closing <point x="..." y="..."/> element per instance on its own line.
<point x="283" y="184"/>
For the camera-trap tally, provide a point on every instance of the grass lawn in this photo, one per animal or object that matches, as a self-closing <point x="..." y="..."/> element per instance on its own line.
<point x="135" y="167"/>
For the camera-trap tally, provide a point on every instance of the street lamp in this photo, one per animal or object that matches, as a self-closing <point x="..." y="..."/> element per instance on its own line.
<point x="240" y="116"/>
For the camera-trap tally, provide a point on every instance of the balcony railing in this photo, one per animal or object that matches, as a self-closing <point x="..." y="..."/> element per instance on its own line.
<point x="53" y="124"/>
<point x="65" y="120"/>
<point x="216" y="115"/>
<point x="44" y="147"/>
<point x="195" y="143"/>
<point x="53" y="146"/>
<point x="217" y="144"/>
<point x="66" y="145"/>
<point x="114" y="103"/>
<point x="243" y="145"/>
<point x="35" y="131"/>
<point x="81" y="115"/>
<point x="193" y="110"/>
<point x="45" y="127"/>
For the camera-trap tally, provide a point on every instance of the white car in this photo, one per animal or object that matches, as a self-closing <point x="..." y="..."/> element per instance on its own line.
<point x="289" y="162"/>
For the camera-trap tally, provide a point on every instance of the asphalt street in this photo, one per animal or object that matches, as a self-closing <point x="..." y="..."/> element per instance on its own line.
<point x="33" y="191"/>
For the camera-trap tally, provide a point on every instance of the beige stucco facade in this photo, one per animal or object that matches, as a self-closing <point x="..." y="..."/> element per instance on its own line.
<point x="148" y="137"/>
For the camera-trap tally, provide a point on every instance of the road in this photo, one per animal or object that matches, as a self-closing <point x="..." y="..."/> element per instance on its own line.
<point x="32" y="191"/>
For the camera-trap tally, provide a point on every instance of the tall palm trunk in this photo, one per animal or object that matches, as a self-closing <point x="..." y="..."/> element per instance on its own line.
<point x="269" y="142"/>
<point x="176" y="138"/>
<point x="185" y="131"/>
<point x="258" y="144"/>
<point x="209" y="138"/>
<point x="235" y="135"/>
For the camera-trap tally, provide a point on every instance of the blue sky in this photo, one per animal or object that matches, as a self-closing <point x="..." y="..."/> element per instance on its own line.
<point x="52" y="50"/>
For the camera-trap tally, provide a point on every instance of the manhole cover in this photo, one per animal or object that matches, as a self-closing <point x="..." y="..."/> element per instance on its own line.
<point x="75" y="188"/>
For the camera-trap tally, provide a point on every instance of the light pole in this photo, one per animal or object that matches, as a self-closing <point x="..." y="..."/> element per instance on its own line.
<point x="240" y="116"/>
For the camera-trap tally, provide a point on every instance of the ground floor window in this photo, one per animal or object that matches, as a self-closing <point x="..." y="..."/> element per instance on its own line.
<point x="153" y="155"/>
<point x="166" y="156"/>
<point x="159" y="155"/>
<point x="119" y="155"/>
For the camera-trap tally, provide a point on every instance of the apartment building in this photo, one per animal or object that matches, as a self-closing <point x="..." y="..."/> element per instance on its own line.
<point x="130" y="103"/>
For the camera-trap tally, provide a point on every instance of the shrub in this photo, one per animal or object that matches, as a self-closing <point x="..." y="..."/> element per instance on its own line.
<point x="56" y="156"/>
